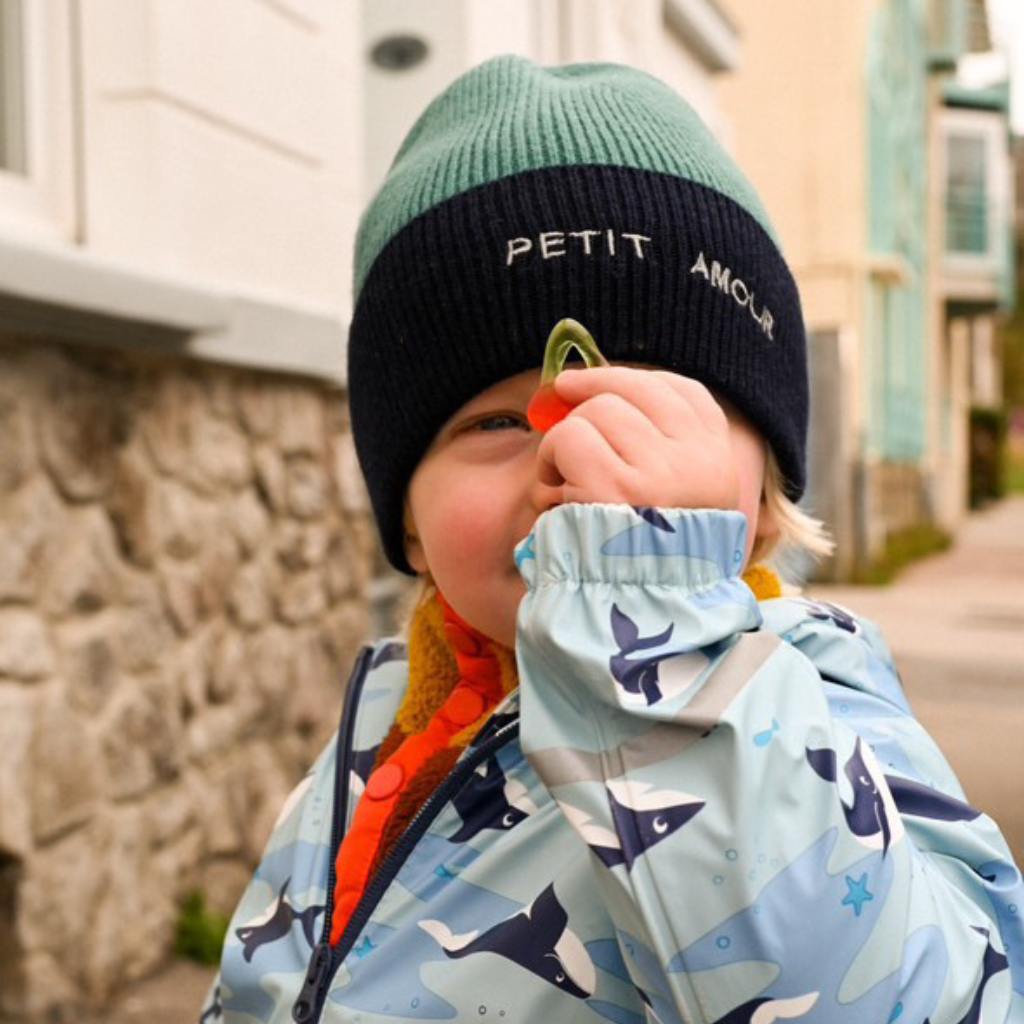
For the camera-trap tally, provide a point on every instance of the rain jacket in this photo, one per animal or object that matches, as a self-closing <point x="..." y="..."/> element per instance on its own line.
<point x="695" y="807"/>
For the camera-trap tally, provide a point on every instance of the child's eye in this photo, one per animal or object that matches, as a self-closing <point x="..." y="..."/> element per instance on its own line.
<point x="501" y="421"/>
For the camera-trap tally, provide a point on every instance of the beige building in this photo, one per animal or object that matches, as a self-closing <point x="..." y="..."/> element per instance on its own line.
<point x="845" y="121"/>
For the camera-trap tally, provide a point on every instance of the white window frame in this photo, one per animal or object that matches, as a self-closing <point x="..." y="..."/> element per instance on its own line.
<point x="991" y="129"/>
<point x="40" y="203"/>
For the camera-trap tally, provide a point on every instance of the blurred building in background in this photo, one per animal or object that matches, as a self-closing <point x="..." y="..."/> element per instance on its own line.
<point x="188" y="562"/>
<point x="890" y="185"/>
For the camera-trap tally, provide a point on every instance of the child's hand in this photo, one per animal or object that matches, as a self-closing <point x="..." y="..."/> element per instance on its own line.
<point x="639" y="437"/>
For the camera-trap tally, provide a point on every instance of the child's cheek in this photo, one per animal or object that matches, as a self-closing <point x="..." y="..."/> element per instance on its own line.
<point x="464" y="528"/>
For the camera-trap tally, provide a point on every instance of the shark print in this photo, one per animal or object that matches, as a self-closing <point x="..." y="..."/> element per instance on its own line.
<point x="872" y="817"/>
<point x="276" y="923"/>
<point x="643" y="816"/>
<point x="537" y="938"/>
<point x="489" y="800"/>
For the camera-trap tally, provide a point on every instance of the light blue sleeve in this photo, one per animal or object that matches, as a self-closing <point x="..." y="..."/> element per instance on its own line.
<point x="772" y="832"/>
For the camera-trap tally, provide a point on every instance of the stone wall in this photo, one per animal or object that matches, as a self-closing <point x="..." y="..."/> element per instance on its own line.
<point x="184" y="553"/>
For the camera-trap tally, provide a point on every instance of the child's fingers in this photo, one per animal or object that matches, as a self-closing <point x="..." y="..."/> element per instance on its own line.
<point x="668" y="408"/>
<point x="704" y="403"/>
<point x="629" y="431"/>
<point x="574" y="452"/>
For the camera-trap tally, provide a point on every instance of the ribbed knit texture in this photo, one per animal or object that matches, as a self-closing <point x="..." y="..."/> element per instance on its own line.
<point x="524" y="195"/>
<point x="509" y="115"/>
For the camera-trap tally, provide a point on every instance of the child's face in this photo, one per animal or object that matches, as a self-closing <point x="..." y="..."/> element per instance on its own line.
<point x="474" y="496"/>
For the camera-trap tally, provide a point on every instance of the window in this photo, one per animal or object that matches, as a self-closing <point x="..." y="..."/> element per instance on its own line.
<point x="966" y="194"/>
<point x="12" y="88"/>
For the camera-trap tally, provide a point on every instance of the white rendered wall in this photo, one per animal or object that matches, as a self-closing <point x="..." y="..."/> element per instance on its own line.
<point x="462" y="33"/>
<point x="221" y="141"/>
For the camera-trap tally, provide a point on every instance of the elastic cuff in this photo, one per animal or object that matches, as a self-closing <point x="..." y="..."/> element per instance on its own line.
<point x="690" y="549"/>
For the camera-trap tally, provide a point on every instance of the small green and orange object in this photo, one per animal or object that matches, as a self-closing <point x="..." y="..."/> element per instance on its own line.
<point x="546" y="408"/>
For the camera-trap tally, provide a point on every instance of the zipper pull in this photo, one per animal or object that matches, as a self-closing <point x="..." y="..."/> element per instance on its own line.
<point x="307" y="1003"/>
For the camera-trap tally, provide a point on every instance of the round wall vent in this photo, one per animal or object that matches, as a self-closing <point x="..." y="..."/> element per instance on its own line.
<point x="399" y="52"/>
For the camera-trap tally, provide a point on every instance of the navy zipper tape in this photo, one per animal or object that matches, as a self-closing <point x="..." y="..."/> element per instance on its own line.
<point x="396" y="857"/>
<point x="306" y="1004"/>
<point x="342" y="767"/>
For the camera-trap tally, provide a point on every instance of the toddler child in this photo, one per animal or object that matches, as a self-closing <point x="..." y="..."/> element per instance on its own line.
<point x="611" y="773"/>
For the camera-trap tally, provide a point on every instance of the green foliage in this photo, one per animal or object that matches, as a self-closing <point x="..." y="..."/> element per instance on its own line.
<point x="200" y="932"/>
<point x="1013" y="472"/>
<point x="987" y="455"/>
<point x="903" y="547"/>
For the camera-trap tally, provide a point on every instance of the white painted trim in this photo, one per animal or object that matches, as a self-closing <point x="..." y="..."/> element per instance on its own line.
<point x="706" y="31"/>
<point x="65" y="293"/>
<point x="40" y="203"/>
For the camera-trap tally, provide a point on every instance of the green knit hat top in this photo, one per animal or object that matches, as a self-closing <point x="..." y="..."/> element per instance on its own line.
<point x="526" y="194"/>
<point x="596" y="113"/>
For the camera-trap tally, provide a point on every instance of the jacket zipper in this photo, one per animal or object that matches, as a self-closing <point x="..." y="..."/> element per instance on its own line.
<point x="303" y="1009"/>
<point x="326" y="960"/>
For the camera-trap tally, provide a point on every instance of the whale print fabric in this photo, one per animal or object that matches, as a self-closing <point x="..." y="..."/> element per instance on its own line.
<point x="713" y="811"/>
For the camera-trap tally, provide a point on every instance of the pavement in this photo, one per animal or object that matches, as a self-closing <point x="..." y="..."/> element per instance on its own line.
<point x="955" y="625"/>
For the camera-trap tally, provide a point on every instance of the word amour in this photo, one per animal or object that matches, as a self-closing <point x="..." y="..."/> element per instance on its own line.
<point x="722" y="278"/>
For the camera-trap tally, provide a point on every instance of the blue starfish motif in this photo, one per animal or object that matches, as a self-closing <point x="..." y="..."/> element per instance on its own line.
<point x="857" y="894"/>
<point x="365" y="948"/>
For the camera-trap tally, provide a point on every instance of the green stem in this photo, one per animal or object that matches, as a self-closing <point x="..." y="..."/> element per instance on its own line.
<point x="567" y="334"/>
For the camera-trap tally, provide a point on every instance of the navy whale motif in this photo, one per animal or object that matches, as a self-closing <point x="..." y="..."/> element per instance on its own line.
<point x="868" y="815"/>
<point x="924" y="802"/>
<point x="489" y="800"/>
<point x="765" y="1011"/>
<point x="993" y="963"/>
<point x="643" y="816"/>
<point x="637" y="676"/>
<point x="215" y="1010"/>
<point x="825" y="611"/>
<point x="872" y="817"/>
<point x="647" y="680"/>
<point x="276" y="923"/>
<point x="537" y="938"/>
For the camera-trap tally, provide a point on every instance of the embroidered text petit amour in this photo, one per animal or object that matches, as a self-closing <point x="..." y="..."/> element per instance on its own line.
<point x="721" y="277"/>
<point x="557" y="243"/>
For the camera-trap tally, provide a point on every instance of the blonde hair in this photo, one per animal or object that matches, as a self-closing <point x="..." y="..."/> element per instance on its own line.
<point x="796" y="532"/>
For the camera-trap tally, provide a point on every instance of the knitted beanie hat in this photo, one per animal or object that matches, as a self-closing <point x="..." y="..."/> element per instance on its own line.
<point x="525" y="194"/>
